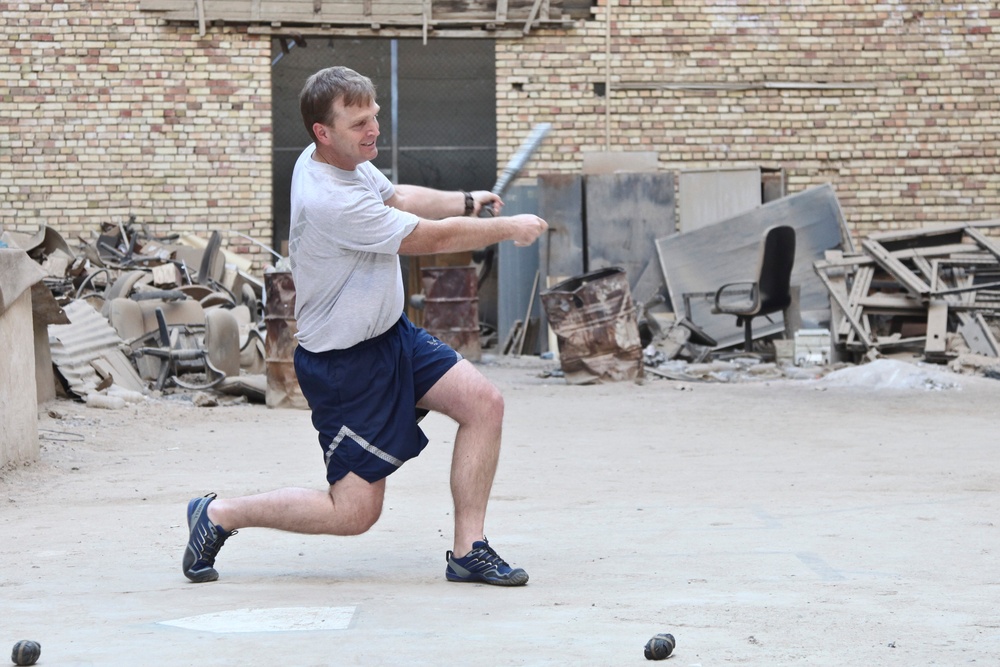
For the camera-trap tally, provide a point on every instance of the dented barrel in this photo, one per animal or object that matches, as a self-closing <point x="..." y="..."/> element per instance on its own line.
<point x="596" y="327"/>
<point x="451" y="307"/>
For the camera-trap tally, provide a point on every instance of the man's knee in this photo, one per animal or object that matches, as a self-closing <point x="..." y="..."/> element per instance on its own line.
<point x="492" y="401"/>
<point x="364" y="519"/>
<point x="357" y="505"/>
<point x="359" y="518"/>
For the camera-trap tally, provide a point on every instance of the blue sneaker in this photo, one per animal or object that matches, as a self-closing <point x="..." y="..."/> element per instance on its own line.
<point x="482" y="564"/>
<point x="205" y="541"/>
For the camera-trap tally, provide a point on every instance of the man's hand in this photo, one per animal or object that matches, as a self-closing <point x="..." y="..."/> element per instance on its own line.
<point x="486" y="202"/>
<point x="528" y="228"/>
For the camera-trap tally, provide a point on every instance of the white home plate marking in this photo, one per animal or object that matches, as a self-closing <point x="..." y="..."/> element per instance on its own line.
<point x="281" y="619"/>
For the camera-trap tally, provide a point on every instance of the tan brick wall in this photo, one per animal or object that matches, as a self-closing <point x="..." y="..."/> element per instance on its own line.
<point x="106" y="113"/>
<point x="911" y="139"/>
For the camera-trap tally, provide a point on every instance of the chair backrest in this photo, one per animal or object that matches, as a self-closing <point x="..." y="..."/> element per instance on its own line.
<point x="775" y="273"/>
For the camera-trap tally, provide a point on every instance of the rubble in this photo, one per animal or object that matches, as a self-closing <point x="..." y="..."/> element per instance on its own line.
<point x="930" y="294"/>
<point x="131" y="314"/>
<point x="934" y="290"/>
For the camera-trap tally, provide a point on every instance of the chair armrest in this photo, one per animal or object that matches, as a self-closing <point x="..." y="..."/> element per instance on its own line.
<point x="746" y="305"/>
<point x="687" y="296"/>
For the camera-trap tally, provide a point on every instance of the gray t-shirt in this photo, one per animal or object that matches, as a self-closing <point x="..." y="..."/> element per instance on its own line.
<point x="343" y="244"/>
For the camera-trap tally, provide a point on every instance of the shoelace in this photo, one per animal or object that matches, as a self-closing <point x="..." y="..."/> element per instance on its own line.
<point x="493" y="558"/>
<point x="210" y="547"/>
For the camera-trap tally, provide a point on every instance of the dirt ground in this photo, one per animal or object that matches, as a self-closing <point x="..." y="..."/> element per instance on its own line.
<point x="781" y="522"/>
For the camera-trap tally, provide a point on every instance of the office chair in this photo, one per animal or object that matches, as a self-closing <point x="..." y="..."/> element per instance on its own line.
<point x="770" y="291"/>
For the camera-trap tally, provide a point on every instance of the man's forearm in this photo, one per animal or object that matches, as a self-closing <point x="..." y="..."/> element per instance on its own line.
<point x="457" y="234"/>
<point x="430" y="203"/>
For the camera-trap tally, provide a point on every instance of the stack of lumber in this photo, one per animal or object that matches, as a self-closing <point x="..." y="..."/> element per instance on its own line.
<point x="933" y="289"/>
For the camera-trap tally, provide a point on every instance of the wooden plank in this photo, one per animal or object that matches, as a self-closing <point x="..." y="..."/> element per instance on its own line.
<point x="705" y="259"/>
<point x="527" y="315"/>
<point x="967" y="251"/>
<point x="907" y="278"/>
<point x="200" y="9"/>
<point x="971" y="325"/>
<point x="891" y="302"/>
<point x="532" y="16"/>
<point x="855" y="312"/>
<point x="987" y="243"/>
<point x="936" y="344"/>
<point x="856" y="326"/>
<point x="924" y="266"/>
<point x="977" y="334"/>
<point x="340" y="12"/>
<point x="625" y="214"/>
<point x="837" y="282"/>
<point x="923" y="235"/>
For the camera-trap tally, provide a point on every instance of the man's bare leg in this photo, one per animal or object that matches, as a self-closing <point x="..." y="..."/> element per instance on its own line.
<point x="466" y="396"/>
<point x="350" y="507"/>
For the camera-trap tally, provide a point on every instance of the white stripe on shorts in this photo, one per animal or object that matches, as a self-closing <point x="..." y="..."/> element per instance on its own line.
<point x="364" y="444"/>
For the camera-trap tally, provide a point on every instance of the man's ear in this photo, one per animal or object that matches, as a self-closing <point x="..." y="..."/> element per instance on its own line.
<point x="321" y="132"/>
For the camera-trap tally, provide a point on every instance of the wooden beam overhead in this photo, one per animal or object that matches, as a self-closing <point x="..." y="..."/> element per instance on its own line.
<point x="420" y="17"/>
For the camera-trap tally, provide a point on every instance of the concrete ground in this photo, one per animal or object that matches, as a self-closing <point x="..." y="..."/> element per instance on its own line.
<point x="787" y="522"/>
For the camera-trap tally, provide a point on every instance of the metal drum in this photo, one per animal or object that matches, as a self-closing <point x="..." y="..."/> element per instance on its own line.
<point x="451" y="307"/>
<point x="279" y="346"/>
<point x="595" y="323"/>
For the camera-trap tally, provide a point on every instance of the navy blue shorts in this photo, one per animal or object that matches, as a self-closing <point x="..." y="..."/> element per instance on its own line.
<point x="363" y="399"/>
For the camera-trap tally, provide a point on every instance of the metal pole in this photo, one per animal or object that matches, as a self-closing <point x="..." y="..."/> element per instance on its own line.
<point x="394" y="106"/>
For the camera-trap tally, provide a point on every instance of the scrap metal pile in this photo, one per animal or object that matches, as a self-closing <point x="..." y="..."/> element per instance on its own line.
<point x="129" y="312"/>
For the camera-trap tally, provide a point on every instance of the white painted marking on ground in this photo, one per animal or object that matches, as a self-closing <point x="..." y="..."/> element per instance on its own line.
<point x="281" y="619"/>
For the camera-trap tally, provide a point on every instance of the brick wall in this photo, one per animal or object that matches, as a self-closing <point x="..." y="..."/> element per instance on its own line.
<point x="895" y="104"/>
<point x="105" y="113"/>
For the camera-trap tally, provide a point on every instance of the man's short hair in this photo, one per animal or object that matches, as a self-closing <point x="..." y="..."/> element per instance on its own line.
<point x="324" y="87"/>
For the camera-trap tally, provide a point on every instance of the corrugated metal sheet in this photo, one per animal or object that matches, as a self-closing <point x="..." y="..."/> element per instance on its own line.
<point x="89" y="342"/>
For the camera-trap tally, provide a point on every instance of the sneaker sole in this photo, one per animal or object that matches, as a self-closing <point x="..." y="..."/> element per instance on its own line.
<point x="516" y="578"/>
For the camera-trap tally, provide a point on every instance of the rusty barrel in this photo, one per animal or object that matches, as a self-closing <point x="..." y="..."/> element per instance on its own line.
<point x="451" y="307"/>
<point x="596" y="327"/>
<point x="279" y="345"/>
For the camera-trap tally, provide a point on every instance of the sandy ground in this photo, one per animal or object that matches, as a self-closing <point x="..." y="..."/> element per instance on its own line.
<point x="785" y="522"/>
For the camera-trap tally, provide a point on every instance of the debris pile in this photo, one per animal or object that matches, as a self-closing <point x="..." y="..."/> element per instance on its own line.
<point x="933" y="291"/>
<point x="129" y="312"/>
<point x="932" y="294"/>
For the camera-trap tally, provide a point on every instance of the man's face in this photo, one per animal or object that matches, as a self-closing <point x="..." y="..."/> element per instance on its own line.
<point x="353" y="134"/>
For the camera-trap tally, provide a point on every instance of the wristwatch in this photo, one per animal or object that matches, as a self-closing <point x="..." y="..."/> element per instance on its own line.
<point x="470" y="203"/>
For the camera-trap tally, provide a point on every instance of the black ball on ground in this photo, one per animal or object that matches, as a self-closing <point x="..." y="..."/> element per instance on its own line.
<point x="26" y="652"/>
<point x="660" y="647"/>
